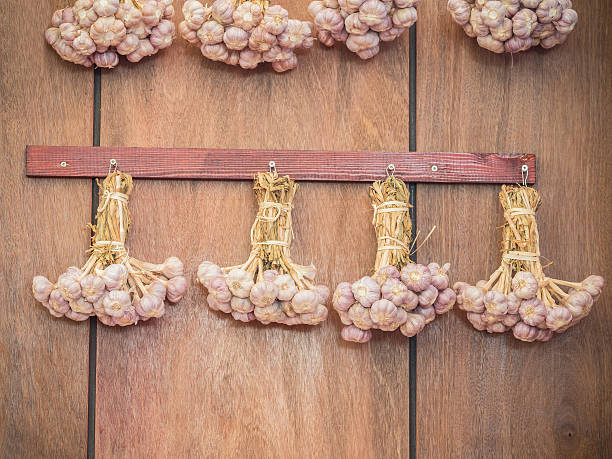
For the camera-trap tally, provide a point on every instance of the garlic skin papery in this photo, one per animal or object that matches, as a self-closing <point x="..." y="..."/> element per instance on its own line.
<point x="513" y="26"/>
<point x="113" y="286"/>
<point x="400" y="295"/>
<point x="518" y="295"/>
<point x="366" y="291"/>
<point x="259" y="32"/>
<point x="97" y="33"/>
<point x="270" y="287"/>
<point x="362" y="24"/>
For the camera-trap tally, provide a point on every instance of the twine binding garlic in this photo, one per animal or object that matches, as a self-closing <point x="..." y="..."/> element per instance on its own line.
<point x="512" y="26"/>
<point x="245" y="33"/>
<point x="112" y="285"/>
<point x="362" y="24"/>
<point x="400" y="294"/>
<point x="269" y="287"/>
<point x="518" y="295"/>
<point x="97" y="32"/>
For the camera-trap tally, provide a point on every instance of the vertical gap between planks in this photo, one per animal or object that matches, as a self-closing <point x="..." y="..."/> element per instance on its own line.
<point x="93" y="321"/>
<point x="412" y="343"/>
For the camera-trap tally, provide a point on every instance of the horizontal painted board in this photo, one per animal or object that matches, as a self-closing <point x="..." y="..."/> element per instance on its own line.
<point x="307" y="165"/>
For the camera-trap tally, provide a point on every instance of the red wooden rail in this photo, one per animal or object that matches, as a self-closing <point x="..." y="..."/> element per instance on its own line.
<point x="315" y="165"/>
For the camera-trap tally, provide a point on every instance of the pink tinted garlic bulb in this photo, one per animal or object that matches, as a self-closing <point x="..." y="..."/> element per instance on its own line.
<point x="305" y="301"/>
<point x="416" y="277"/>
<point x="269" y="287"/>
<point x="356" y="334"/>
<point x="245" y="33"/>
<point x="343" y="297"/>
<point x="96" y="33"/>
<point x="414" y="324"/>
<point x="366" y="291"/>
<point x="362" y="24"/>
<point x="42" y="288"/>
<point x="400" y="295"/>
<point x="513" y="26"/>
<point x="112" y="285"/>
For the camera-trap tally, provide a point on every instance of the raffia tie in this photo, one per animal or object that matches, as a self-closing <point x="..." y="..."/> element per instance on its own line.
<point x="386" y="207"/>
<point x="113" y="246"/>
<point x="513" y="255"/>
<point x="261" y="217"/>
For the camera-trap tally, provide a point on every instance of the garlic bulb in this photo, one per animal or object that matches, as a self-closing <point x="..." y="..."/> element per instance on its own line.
<point x="524" y="285"/>
<point x="356" y="334"/>
<point x="305" y="301"/>
<point x="473" y="299"/>
<point x="116" y="302"/>
<point x="271" y="313"/>
<point x="242" y="305"/>
<point x="92" y="287"/>
<point x="518" y="295"/>
<point x="322" y="292"/>
<point x="525" y="332"/>
<point x="512" y="25"/>
<point x="398" y="285"/>
<point x="239" y="282"/>
<point x="429" y="313"/>
<point x="58" y="303"/>
<point x="413" y="325"/>
<point x="416" y="277"/>
<point x="343" y="297"/>
<point x="496" y="303"/>
<point x="362" y="23"/>
<point x="533" y="312"/>
<point x="558" y="317"/>
<point x="175" y="289"/>
<point x="41" y="288"/>
<point x="207" y="271"/>
<point x="269" y="287"/>
<point x="366" y="291"/>
<point x="97" y="32"/>
<point x="115" y="276"/>
<point x="249" y="28"/>
<point x="445" y="301"/>
<point x="428" y="296"/>
<point x="360" y="316"/>
<point x="386" y="273"/>
<point x="395" y="291"/>
<point x="150" y="306"/>
<point x="383" y="312"/>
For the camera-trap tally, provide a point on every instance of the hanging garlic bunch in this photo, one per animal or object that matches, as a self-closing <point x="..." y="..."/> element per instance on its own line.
<point x="518" y="295"/>
<point x="512" y="26"/>
<point x="96" y="32"/>
<point x="269" y="286"/>
<point x="245" y="33"/>
<point x="362" y="24"/>
<point x="115" y="287"/>
<point x="400" y="294"/>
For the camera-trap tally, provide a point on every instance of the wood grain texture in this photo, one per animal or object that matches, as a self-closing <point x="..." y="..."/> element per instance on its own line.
<point x="312" y="165"/>
<point x="197" y="383"/>
<point x="493" y="396"/>
<point x="43" y="360"/>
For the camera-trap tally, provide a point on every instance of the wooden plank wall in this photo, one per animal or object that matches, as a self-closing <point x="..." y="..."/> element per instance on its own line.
<point x="196" y="383"/>
<point x="492" y="396"/>
<point x="43" y="360"/>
